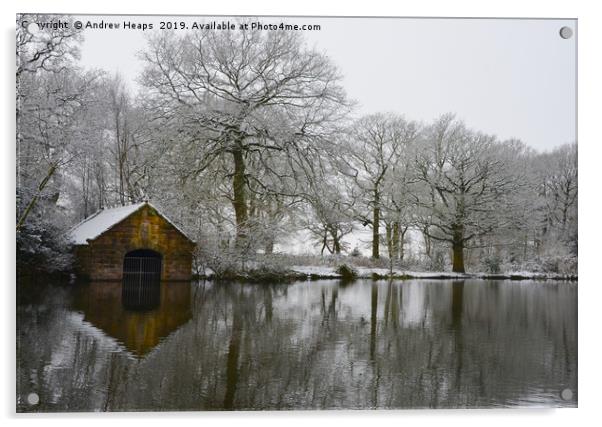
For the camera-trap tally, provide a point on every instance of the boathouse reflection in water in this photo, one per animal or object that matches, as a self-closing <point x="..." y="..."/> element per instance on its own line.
<point x="139" y="317"/>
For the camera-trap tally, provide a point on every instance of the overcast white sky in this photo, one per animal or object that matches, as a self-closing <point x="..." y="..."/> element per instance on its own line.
<point x="512" y="78"/>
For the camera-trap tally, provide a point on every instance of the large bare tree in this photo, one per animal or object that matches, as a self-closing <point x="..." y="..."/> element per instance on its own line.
<point x="466" y="185"/>
<point x="243" y="93"/>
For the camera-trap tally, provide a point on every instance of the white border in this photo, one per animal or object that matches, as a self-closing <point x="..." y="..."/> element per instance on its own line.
<point x="590" y="117"/>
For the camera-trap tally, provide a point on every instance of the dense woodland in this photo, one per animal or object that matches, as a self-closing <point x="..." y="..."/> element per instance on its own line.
<point x="247" y="138"/>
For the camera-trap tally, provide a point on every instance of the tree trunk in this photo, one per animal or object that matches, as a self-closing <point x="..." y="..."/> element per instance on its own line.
<point x="86" y="188"/>
<point x="34" y="200"/>
<point x="395" y="247"/>
<point x="376" y="226"/>
<point x="239" y="202"/>
<point x="336" y="243"/>
<point x="402" y="236"/>
<point x="119" y="154"/>
<point x="458" y="251"/>
<point x="324" y="243"/>
<point x="388" y="239"/>
<point x="427" y="242"/>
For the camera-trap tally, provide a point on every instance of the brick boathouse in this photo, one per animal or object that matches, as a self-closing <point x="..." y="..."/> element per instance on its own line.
<point x="137" y="235"/>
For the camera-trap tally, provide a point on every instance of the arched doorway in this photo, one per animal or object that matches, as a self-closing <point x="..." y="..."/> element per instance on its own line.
<point x="141" y="279"/>
<point x="142" y="261"/>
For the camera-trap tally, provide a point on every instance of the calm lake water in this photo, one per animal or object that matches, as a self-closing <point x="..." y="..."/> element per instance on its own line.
<point x="308" y="345"/>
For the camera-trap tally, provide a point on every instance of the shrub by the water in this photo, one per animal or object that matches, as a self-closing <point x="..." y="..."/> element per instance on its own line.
<point x="492" y="264"/>
<point x="346" y="272"/>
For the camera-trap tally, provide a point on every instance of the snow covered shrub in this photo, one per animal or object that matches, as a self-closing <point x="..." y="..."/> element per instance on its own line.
<point x="413" y="262"/>
<point x="560" y="264"/>
<point x="213" y="253"/>
<point x="347" y="272"/>
<point x="369" y="262"/>
<point x="42" y="246"/>
<point x="557" y="258"/>
<point x="438" y="261"/>
<point x="355" y="252"/>
<point x="492" y="263"/>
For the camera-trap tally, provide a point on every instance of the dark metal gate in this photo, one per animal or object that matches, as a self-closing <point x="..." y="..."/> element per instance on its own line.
<point x="141" y="279"/>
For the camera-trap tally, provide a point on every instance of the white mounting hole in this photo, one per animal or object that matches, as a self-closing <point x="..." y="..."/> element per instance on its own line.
<point x="33" y="28"/>
<point x="33" y="398"/>
<point x="566" y="394"/>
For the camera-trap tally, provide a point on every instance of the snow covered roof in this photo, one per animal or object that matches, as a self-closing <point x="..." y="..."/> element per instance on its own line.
<point x="105" y="219"/>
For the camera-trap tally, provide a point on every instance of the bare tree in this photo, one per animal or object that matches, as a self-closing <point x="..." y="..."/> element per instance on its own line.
<point x="47" y="96"/>
<point x="129" y="133"/>
<point x="51" y="50"/>
<point x="558" y="187"/>
<point x="331" y="218"/>
<point x="466" y="182"/>
<point x="377" y="141"/>
<point x="254" y="92"/>
<point x="48" y="126"/>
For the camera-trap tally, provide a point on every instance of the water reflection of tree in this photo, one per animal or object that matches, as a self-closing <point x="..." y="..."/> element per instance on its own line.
<point x="481" y="350"/>
<point x="374" y="344"/>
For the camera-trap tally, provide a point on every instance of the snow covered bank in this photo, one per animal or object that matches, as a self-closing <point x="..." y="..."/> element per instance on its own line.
<point x="317" y="272"/>
<point x="324" y="272"/>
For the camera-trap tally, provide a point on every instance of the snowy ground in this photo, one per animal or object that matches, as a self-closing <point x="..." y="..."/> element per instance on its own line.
<point x="364" y="272"/>
<point x="326" y="272"/>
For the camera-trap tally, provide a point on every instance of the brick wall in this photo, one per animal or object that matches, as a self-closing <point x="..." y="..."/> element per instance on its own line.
<point x="102" y="258"/>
